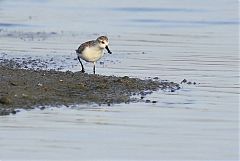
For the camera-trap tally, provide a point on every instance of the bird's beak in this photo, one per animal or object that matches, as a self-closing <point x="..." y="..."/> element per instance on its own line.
<point x="108" y="50"/>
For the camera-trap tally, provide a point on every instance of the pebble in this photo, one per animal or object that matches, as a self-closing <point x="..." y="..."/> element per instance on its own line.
<point x="147" y="101"/>
<point x="5" y="100"/>
<point x="183" y="81"/>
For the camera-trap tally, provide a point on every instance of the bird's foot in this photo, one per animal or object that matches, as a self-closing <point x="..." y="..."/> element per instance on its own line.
<point x="83" y="71"/>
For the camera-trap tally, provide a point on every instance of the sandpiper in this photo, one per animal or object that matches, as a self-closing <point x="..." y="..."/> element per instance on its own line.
<point x="92" y="51"/>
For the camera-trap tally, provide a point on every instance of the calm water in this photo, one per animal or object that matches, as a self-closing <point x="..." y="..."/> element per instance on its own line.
<point x="173" y="40"/>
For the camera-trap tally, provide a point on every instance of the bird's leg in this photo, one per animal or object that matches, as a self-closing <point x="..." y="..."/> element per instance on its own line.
<point x="94" y="67"/>
<point x="81" y="65"/>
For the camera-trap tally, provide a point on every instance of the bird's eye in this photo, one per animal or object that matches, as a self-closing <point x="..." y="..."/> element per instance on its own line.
<point x="102" y="42"/>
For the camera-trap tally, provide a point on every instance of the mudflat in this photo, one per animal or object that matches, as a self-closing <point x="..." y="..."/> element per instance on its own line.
<point x="29" y="88"/>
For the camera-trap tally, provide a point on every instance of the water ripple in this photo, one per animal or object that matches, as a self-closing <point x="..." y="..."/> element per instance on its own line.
<point x="185" y="22"/>
<point x="158" y="9"/>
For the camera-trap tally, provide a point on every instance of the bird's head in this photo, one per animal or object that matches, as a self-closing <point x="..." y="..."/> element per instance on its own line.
<point x="103" y="43"/>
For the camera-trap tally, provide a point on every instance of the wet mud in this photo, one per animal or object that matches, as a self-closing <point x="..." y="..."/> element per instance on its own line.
<point x="30" y="88"/>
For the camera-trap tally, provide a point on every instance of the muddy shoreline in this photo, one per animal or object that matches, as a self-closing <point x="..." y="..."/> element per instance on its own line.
<point x="29" y="88"/>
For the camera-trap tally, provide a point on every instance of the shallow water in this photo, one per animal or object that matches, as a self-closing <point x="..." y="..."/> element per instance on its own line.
<point x="172" y="40"/>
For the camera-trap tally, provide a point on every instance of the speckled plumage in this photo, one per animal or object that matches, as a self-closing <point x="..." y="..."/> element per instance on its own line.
<point x="84" y="45"/>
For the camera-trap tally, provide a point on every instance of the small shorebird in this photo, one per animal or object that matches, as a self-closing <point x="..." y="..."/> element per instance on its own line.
<point x="92" y="51"/>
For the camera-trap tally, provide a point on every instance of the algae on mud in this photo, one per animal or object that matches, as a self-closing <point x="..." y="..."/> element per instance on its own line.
<point x="28" y="88"/>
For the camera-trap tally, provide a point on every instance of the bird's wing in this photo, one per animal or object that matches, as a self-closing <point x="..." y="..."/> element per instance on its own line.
<point x="84" y="45"/>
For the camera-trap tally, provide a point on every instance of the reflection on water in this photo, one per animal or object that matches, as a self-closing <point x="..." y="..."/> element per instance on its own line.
<point x="173" y="40"/>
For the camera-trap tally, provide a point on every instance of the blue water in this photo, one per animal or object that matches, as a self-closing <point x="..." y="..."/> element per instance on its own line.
<point x="173" y="40"/>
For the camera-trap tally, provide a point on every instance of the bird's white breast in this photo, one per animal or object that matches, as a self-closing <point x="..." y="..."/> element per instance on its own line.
<point x="91" y="54"/>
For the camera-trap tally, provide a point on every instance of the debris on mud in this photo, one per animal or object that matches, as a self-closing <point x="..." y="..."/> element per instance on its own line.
<point x="185" y="81"/>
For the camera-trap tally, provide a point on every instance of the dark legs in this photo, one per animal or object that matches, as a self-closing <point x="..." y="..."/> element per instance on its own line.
<point x="94" y="67"/>
<point x="81" y="65"/>
<point x="83" y="70"/>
